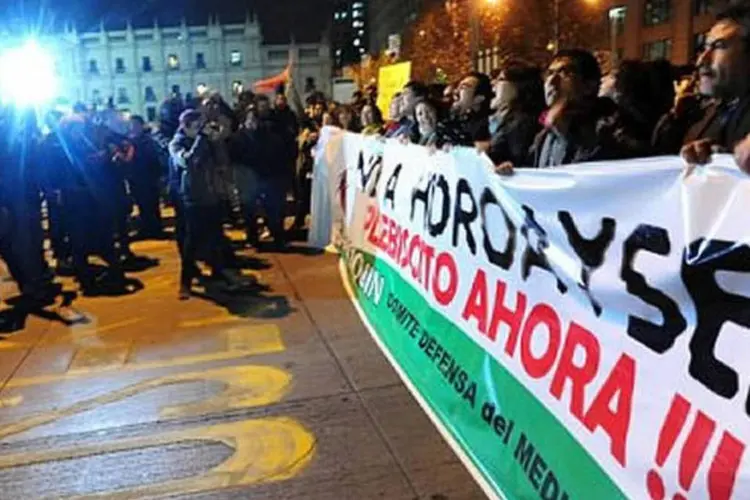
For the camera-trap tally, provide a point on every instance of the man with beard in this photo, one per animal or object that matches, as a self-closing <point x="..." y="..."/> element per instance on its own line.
<point x="724" y="76"/>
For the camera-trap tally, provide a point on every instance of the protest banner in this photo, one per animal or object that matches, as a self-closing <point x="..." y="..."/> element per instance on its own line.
<point x="391" y="79"/>
<point x="573" y="333"/>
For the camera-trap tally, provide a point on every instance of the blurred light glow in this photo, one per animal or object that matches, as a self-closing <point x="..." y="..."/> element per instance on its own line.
<point x="27" y="75"/>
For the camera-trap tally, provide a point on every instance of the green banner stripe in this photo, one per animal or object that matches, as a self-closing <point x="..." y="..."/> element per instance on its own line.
<point x="521" y="448"/>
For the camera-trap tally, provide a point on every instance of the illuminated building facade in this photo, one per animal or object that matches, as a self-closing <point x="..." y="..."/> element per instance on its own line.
<point x="654" y="29"/>
<point x="140" y="67"/>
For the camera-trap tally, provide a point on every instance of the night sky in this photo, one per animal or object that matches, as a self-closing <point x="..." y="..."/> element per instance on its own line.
<point x="306" y="19"/>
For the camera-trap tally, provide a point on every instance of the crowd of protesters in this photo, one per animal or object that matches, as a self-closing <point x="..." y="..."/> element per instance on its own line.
<point x="77" y="179"/>
<point x="522" y="116"/>
<point x="217" y="164"/>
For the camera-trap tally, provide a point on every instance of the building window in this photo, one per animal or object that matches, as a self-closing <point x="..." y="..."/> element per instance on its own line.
<point x="119" y="65"/>
<point x="93" y="67"/>
<point x="122" y="95"/>
<point x="96" y="96"/>
<point x="660" y="49"/>
<point x="657" y="12"/>
<point x="702" y="7"/>
<point x="358" y="5"/>
<point x="200" y="60"/>
<point x="617" y="19"/>
<point x="356" y="13"/>
<point x="357" y="24"/>
<point x="235" y="58"/>
<point x="275" y="55"/>
<point x="699" y="42"/>
<point x="151" y="114"/>
<point x="150" y="95"/>
<point x="146" y="64"/>
<point x="308" y="53"/>
<point x="173" y="62"/>
<point x="356" y="42"/>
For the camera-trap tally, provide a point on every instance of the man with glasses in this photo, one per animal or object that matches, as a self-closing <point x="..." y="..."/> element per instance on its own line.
<point x="578" y="125"/>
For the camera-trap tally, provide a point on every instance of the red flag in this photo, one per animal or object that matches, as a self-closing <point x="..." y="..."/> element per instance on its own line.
<point x="270" y="84"/>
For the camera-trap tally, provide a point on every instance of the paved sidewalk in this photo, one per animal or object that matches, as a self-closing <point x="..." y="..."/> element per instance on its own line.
<point x="278" y="395"/>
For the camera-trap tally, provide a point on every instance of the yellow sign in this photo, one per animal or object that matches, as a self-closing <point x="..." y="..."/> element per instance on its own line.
<point x="391" y="80"/>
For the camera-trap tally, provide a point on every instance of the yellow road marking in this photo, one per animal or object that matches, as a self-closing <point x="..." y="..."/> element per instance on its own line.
<point x="7" y="345"/>
<point x="243" y="338"/>
<point x="265" y="450"/>
<point x="244" y="387"/>
<point x="11" y="401"/>
<point x="120" y="324"/>
<point x="215" y="320"/>
<point x="106" y="357"/>
<point x="265" y="340"/>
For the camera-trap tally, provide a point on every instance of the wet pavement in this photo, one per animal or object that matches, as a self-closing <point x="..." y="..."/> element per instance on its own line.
<point x="278" y="394"/>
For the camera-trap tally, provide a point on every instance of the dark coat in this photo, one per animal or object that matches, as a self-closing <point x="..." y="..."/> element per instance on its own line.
<point x="596" y="133"/>
<point x="194" y="160"/>
<point x="724" y="124"/>
<point x="513" y="139"/>
<point x="262" y="149"/>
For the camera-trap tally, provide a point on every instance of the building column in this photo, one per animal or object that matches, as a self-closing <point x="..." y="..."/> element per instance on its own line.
<point x="682" y="32"/>
<point x="633" y="27"/>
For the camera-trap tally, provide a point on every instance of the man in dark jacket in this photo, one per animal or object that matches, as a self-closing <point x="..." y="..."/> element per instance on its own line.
<point x="469" y="121"/>
<point x="578" y="125"/>
<point x="724" y="75"/>
<point x="258" y="147"/>
<point x="288" y="126"/>
<point x="192" y="153"/>
<point x="21" y="236"/>
<point x="143" y="175"/>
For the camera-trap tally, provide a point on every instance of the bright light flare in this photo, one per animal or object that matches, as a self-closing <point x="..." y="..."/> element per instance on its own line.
<point x="27" y="75"/>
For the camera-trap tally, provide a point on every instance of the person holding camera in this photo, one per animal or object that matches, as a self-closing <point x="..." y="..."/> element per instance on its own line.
<point x="194" y="155"/>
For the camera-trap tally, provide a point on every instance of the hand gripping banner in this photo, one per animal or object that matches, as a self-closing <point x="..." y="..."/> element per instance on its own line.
<point x="582" y="332"/>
